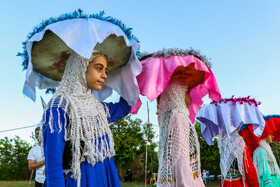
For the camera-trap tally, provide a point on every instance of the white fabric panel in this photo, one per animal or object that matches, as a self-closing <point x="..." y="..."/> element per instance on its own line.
<point x="228" y="117"/>
<point x="82" y="35"/>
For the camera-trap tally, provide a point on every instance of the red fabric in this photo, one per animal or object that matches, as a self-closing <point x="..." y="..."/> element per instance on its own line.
<point x="252" y="141"/>
<point x="250" y="174"/>
<point x="276" y="134"/>
<point x="233" y="183"/>
<point x="250" y="170"/>
<point x="271" y="126"/>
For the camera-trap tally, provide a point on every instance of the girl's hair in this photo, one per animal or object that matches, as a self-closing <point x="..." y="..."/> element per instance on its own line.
<point x="97" y="54"/>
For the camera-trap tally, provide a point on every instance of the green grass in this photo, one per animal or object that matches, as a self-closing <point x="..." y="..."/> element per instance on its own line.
<point x="215" y="183"/>
<point x="25" y="184"/>
<point x="134" y="184"/>
<point x="16" y="183"/>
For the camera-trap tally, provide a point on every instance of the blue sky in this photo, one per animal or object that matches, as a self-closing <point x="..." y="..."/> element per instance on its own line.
<point x="242" y="38"/>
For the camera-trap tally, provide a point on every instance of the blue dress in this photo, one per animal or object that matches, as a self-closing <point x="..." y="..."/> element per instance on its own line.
<point x="101" y="174"/>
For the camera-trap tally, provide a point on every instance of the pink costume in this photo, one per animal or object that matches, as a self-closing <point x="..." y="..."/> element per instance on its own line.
<point x="179" y="154"/>
<point x="156" y="74"/>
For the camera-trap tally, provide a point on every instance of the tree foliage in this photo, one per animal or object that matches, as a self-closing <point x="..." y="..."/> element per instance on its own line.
<point x="130" y="137"/>
<point x="13" y="159"/>
<point x="276" y="150"/>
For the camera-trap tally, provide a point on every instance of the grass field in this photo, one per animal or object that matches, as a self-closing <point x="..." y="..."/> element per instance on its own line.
<point x="123" y="184"/>
<point x="16" y="184"/>
<point x="215" y="183"/>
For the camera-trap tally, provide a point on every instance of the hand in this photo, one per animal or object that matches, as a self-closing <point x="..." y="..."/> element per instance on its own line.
<point x="188" y="99"/>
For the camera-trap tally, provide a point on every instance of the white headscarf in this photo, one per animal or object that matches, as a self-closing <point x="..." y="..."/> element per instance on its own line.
<point x="177" y="138"/>
<point x="87" y="117"/>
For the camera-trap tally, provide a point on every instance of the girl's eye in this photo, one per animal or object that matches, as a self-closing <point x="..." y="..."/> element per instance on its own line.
<point x="99" y="68"/>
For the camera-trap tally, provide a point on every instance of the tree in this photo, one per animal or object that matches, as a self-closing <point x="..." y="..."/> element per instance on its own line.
<point x="130" y="146"/>
<point x="152" y="154"/>
<point x="13" y="159"/>
<point x="276" y="150"/>
<point x="209" y="155"/>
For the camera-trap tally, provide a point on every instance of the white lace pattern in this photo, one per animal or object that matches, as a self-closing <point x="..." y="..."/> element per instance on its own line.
<point x="87" y="117"/>
<point x="231" y="148"/>
<point x="178" y="136"/>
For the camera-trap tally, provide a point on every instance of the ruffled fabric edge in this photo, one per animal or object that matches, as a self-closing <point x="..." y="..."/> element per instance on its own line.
<point x="152" y="84"/>
<point x="68" y="16"/>
<point x="122" y="80"/>
<point x="214" y="117"/>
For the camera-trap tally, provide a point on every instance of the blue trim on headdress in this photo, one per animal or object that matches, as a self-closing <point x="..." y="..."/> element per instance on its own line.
<point x="271" y="116"/>
<point x="264" y="117"/>
<point x="74" y="15"/>
<point x="243" y="127"/>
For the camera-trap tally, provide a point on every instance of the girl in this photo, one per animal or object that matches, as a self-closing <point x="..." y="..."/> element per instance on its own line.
<point x="77" y="141"/>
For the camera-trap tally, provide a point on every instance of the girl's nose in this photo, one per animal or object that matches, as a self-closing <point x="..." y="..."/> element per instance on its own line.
<point x="104" y="75"/>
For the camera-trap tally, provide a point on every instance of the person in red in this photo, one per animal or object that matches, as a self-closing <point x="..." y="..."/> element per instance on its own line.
<point x="264" y="160"/>
<point x="236" y="164"/>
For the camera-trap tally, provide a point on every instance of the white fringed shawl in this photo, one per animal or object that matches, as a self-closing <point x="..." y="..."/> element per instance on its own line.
<point x="178" y="136"/>
<point x="87" y="117"/>
<point x="231" y="147"/>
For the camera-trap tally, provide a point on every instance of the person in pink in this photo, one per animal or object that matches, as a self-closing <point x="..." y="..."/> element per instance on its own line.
<point x="179" y="152"/>
<point x="204" y="176"/>
<point x="178" y="79"/>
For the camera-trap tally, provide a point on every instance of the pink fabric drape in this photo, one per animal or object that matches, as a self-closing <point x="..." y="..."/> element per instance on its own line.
<point x="157" y="72"/>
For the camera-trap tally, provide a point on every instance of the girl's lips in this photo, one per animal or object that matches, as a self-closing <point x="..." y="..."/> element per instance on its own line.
<point x="101" y="83"/>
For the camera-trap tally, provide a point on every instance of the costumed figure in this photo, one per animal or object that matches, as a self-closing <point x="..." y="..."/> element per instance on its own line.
<point x="179" y="79"/>
<point x="225" y="118"/>
<point x="264" y="160"/>
<point x="76" y="51"/>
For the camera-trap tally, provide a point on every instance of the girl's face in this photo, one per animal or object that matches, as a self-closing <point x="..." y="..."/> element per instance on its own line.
<point x="96" y="73"/>
<point x="269" y="138"/>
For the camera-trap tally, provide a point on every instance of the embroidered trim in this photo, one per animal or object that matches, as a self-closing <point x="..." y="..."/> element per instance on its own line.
<point x="268" y="181"/>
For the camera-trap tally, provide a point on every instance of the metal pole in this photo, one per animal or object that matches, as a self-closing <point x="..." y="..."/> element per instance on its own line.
<point x="146" y="165"/>
<point x="30" y="178"/>
<point x="147" y="145"/>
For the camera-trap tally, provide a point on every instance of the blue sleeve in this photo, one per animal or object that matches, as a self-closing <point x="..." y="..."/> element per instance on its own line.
<point x="118" y="110"/>
<point x="54" y="144"/>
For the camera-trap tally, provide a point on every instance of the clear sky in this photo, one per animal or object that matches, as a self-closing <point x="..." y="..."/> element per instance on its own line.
<point x="242" y="38"/>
